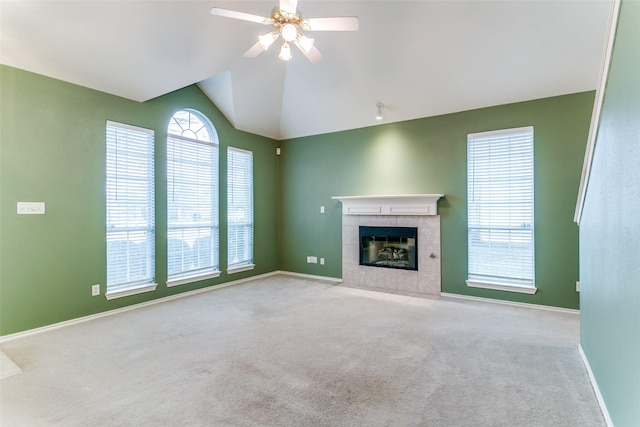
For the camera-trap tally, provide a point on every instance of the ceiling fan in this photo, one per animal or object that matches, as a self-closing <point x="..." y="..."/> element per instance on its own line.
<point x="288" y="24"/>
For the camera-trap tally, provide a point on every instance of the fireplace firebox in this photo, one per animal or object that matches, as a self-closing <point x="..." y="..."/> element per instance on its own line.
<point x="389" y="247"/>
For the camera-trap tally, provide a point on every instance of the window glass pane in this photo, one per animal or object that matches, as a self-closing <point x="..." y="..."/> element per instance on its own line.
<point x="500" y="206"/>
<point x="130" y="206"/>
<point x="192" y="197"/>
<point x="239" y="207"/>
<point x="190" y="124"/>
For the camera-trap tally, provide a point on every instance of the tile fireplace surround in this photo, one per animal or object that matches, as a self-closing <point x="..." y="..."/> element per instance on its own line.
<point x="392" y="211"/>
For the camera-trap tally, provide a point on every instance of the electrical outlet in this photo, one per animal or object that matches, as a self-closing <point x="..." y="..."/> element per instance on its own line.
<point x="95" y="290"/>
<point x="321" y="261"/>
<point x="578" y="286"/>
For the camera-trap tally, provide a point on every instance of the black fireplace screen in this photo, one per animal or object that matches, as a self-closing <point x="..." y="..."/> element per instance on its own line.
<point x="390" y="247"/>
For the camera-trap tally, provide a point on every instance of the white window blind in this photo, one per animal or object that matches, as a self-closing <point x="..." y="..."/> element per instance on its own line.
<point x="130" y="207"/>
<point x="192" y="198"/>
<point x="500" y="207"/>
<point x="239" y="207"/>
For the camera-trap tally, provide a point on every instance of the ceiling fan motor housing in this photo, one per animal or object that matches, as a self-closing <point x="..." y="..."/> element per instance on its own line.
<point x="281" y="18"/>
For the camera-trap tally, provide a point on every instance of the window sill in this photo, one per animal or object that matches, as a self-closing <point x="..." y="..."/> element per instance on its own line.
<point x="191" y="279"/>
<point x="241" y="269"/>
<point x="147" y="287"/>
<point x="503" y="287"/>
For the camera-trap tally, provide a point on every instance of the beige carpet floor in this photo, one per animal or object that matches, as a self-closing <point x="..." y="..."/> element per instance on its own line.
<point x="286" y="351"/>
<point x="7" y="367"/>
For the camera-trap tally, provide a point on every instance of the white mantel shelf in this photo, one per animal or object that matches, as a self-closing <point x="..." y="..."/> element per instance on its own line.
<point x="400" y="204"/>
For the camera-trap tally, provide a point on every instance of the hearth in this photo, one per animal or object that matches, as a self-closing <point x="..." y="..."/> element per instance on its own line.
<point x="389" y="247"/>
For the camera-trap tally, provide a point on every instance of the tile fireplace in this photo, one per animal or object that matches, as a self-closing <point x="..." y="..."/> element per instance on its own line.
<point x="386" y="213"/>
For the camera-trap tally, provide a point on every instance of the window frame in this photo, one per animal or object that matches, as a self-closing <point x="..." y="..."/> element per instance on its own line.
<point x="113" y="210"/>
<point x="194" y="142"/>
<point x="507" y="201"/>
<point x="247" y="264"/>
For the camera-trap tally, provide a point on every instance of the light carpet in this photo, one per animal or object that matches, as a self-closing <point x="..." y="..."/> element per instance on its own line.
<point x="286" y="351"/>
<point x="7" y="367"/>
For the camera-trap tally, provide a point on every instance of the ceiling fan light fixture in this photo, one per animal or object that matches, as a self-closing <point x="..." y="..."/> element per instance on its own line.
<point x="289" y="32"/>
<point x="285" y="52"/>
<point x="305" y="42"/>
<point x="287" y="22"/>
<point x="267" y="40"/>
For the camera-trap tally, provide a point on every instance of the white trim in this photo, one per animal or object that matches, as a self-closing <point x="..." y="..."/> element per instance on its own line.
<point x="502" y="287"/>
<point x="191" y="279"/>
<point x="147" y="287"/>
<point x="240" y="150"/>
<point x="130" y="127"/>
<point x="500" y="132"/>
<point x="512" y="303"/>
<point x="596" y="389"/>
<point x="335" y="280"/>
<point x="397" y="204"/>
<point x="362" y="210"/>
<point x="6" y="338"/>
<point x="241" y="269"/>
<point x="597" y="110"/>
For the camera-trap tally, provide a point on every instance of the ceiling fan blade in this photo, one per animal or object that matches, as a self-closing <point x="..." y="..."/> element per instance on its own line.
<point x="239" y="15"/>
<point x="343" y="23"/>
<point x="289" y="6"/>
<point x="313" y="55"/>
<point x="254" y="50"/>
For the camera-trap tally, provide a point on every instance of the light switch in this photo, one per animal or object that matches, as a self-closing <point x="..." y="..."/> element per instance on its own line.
<point x="30" y="208"/>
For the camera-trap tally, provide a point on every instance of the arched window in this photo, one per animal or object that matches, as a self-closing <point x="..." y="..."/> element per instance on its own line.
<point x="192" y="198"/>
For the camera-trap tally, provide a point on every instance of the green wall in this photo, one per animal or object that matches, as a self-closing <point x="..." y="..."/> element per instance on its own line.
<point x="429" y="156"/>
<point x="610" y="234"/>
<point x="52" y="150"/>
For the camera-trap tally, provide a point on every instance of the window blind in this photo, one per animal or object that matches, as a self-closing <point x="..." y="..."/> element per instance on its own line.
<point x="130" y="206"/>
<point x="192" y="200"/>
<point x="239" y="207"/>
<point x="500" y="179"/>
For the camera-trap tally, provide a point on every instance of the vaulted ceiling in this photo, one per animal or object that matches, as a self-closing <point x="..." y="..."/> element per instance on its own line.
<point x="419" y="58"/>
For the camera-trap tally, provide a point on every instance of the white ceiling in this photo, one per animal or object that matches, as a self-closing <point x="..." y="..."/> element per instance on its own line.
<point x="420" y="58"/>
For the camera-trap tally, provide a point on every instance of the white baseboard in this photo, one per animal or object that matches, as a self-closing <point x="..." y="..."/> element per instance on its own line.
<point x="6" y="338"/>
<point x="596" y="389"/>
<point x="335" y="280"/>
<point x="513" y="303"/>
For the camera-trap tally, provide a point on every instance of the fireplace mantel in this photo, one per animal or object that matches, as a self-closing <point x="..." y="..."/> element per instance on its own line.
<point x="400" y="204"/>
